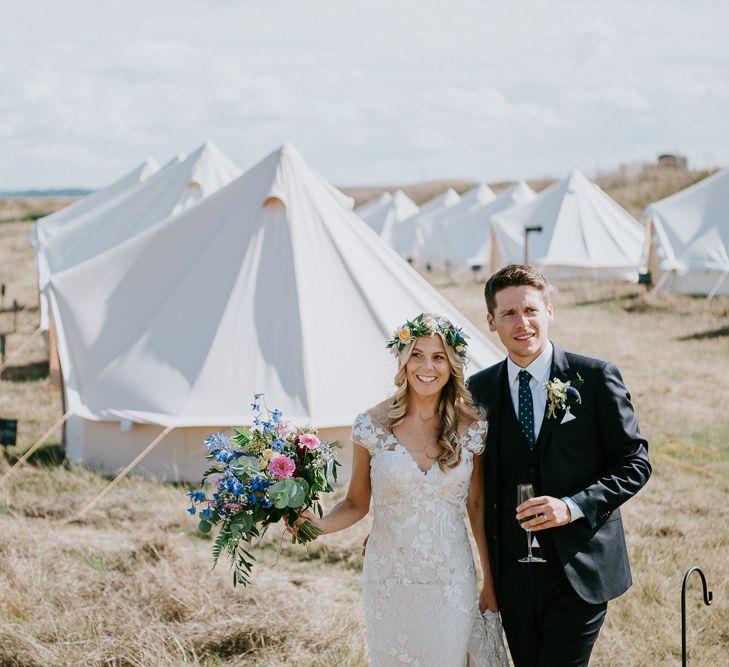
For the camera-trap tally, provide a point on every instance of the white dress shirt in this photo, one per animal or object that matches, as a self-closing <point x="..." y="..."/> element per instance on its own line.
<point x="539" y="370"/>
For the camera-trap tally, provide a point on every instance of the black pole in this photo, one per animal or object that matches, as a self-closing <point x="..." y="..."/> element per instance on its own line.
<point x="708" y="599"/>
<point x="527" y="231"/>
<point x="15" y="315"/>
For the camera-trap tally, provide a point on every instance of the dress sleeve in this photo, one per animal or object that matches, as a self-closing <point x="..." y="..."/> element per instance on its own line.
<point x="474" y="438"/>
<point x="364" y="432"/>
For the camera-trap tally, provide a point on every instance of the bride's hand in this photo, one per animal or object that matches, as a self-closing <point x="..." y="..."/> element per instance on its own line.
<point x="303" y="516"/>
<point x="487" y="600"/>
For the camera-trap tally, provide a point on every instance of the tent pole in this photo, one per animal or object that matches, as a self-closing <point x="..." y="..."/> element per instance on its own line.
<point x="29" y="453"/>
<point x="124" y="472"/>
<point x="716" y="287"/>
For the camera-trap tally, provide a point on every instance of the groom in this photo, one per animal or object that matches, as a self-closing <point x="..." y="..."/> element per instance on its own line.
<point x="584" y="458"/>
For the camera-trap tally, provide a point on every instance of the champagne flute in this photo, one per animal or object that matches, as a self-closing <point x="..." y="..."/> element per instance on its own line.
<point x="524" y="492"/>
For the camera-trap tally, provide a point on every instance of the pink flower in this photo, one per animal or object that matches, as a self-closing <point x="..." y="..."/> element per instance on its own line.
<point x="232" y="506"/>
<point x="215" y="478"/>
<point x="309" y="440"/>
<point x="281" y="467"/>
<point x="282" y="429"/>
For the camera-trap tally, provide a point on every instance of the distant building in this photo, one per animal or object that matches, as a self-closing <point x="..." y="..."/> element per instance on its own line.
<point x="672" y="161"/>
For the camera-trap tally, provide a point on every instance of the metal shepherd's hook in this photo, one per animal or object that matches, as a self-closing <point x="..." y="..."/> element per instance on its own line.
<point x="708" y="599"/>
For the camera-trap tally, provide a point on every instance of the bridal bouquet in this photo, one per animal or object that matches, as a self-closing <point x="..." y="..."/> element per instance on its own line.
<point x="262" y="474"/>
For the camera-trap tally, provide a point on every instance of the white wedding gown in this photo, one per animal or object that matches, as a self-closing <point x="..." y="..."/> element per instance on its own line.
<point x="419" y="584"/>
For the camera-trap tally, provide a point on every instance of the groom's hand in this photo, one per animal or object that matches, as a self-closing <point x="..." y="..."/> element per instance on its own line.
<point x="543" y="512"/>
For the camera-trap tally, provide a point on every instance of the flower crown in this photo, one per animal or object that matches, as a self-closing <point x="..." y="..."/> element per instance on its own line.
<point x="428" y="325"/>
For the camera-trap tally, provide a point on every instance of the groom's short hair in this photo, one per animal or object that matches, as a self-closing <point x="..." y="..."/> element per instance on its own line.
<point x="514" y="275"/>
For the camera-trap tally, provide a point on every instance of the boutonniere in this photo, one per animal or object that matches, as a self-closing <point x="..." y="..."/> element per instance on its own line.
<point x="561" y="395"/>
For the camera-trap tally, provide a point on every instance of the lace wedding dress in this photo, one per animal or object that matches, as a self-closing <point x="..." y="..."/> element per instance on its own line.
<point x="419" y="584"/>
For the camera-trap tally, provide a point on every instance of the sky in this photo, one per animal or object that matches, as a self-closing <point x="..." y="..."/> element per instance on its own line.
<point x="376" y="92"/>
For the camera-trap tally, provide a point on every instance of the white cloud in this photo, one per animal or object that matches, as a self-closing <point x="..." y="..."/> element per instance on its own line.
<point x="371" y="92"/>
<point x="617" y="97"/>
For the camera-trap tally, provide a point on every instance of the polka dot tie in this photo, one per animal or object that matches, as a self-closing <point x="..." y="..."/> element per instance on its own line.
<point x="526" y="408"/>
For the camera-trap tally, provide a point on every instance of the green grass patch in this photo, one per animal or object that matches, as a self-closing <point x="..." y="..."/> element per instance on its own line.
<point x="94" y="559"/>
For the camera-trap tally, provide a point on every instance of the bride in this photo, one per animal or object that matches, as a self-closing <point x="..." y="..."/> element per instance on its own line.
<point x="417" y="454"/>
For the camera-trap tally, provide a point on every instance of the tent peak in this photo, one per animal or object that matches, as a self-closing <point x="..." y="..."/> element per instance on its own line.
<point x="288" y="149"/>
<point x="575" y="178"/>
<point x="205" y="148"/>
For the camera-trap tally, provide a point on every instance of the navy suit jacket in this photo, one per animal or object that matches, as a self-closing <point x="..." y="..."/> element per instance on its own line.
<point x="600" y="459"/>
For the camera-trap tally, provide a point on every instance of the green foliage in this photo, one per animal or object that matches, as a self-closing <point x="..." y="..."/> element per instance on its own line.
<point x="241" y="437"/>
<point x="281" y="492"/>
<point x="245" y="466"/>
<point x="221" y="542"/>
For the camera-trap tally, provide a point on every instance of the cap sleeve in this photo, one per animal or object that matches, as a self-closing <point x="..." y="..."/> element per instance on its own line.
<point x="364" y="432"/>
<point x="474" y="438"/>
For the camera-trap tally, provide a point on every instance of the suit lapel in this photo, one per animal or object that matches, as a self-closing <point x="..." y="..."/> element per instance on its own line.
<point x="559" y="369"/>
<point x="494" y="391"/>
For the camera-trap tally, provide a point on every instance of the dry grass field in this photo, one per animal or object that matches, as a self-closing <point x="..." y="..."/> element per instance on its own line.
<point x="130" y="584"/>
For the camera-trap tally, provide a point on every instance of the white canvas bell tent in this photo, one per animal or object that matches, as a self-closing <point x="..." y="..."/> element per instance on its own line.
<point x="387" y="212"/>
<point x="269" y="285"/>
<point x="169" y="191"/>
<point x="689" y="238"/>
<point x="467" y="237"/>
<point x="46" y="227"/>
<point x="433" y="250"/>
<point x="408" y="237"/>
<point x="585" y="233"/>
<point x="374" y="204"/>
<point x="49" y="224"/>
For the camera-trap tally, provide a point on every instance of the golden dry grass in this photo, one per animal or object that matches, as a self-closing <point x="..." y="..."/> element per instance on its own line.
<point x="130" y="583"/>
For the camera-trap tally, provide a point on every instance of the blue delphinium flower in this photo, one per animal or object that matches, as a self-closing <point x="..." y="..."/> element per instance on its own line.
<point x="217" y="441"/>
<point x="191" y="509"/>
<point x="278" y="445"/>
<point x="259" y="484"/>
<point x="276" y="416"/>
<point x="573" y="393"/>
<point x="265" y="502"/>
<point x="207" y="513"/>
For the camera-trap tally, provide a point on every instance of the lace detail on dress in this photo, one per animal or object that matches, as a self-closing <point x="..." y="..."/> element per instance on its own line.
<point x="370" y="434"/>
<point x="421" y="604"/>
<point x="474" y="437"/>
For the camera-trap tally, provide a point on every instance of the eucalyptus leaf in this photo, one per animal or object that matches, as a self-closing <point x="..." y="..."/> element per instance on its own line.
<point x="242" y="523"/>
<point x="280" y="493"/>
<point x="204" y="526"/>
<point x="297" y="498"/>
<point x="245" y="466"/>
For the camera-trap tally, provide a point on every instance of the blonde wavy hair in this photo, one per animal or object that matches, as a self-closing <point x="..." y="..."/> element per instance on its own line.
<point x="456" y="403"/>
